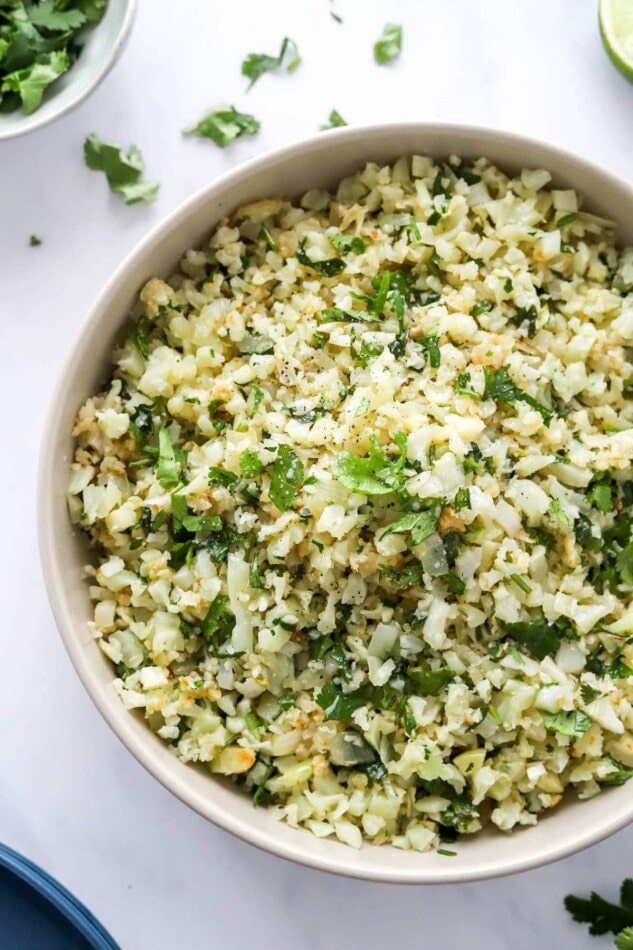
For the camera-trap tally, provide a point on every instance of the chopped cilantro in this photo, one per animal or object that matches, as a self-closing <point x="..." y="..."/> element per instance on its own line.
<point x="139" y="333"/>
<point x="462" y="499"/>
<point x="251" y="464"/>
<point x="463" y="386"/>
<point x="35" y="241"/>
<point x="419" y="524"/>
<point x="329" y="268"/>
<point x="256" y="64"/>
<point x="348" y="242"/>
<point x="377" y="474"/>
<point x="431" y="347"/>
<point x="499" y="386"/>
<point x="223" y="124"/>
<point x="221" y="476"/>
<point x="122" y="170"/>
<point x="167" y="470"/>
<point x="574" y="723"/>
<point x="270" y="241"/>
<point x="429" y="682"/>
<point x="539" y="638"/>
<point x="482" y="307"/>
<point x="588" y="693"/>
<point x="389" y="46"/>
<point x="287" y="477"/>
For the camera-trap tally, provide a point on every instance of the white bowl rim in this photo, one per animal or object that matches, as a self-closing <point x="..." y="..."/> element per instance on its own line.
<point x="119" y="721"/>
<point x="34" y="121"/>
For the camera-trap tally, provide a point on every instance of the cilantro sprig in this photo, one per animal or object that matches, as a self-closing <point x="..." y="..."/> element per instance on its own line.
<point x="122" y="170"/>
<point x="604" y="917"/>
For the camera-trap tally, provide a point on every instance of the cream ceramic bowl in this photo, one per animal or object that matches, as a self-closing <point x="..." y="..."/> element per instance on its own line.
<point x="318" y="162"/>
<point x="103" y="45"/>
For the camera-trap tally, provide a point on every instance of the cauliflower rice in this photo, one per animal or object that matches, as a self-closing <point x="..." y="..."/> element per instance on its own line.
<point x="360" y="488"/>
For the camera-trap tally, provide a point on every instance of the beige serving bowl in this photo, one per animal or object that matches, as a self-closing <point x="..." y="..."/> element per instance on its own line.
<point x="318" y="162"/>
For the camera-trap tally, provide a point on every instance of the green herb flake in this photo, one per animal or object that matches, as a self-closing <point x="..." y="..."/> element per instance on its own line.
<point x="329" y="268"/>
<point x="122" y="170"/>
<point x="167" y="471"/>
<point x="250" y="463"/>
<point x="389" y="46"/>
<point x="335" y="121"/>
<point x="430" y="345"/>
<point x="501" y="388"/>
<point x="270" y="241"/>
<point x="462" y="499"/>
<point x="223" y="124"/>
<point x="348" y="242"/>
<point x="537" y="636"/>
<point x="521" y="583"/>
<point x="287" y="477"/>
<point x="574" y="723"/>
<point x="256" y="64"/>
<point x="35" y="241"/>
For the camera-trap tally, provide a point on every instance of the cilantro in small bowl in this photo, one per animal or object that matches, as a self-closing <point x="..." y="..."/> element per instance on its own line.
<point x="49" y="61"/>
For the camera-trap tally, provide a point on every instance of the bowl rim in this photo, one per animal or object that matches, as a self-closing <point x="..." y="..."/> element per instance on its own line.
<point x="119" y="718"/>
<point x="34" y="121"/>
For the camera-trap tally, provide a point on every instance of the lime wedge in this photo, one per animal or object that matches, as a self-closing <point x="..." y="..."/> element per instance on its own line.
<point x="616" y="29"/>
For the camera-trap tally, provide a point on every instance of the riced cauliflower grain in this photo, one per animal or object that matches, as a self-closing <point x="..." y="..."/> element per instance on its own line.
<point x="360" y="494"/>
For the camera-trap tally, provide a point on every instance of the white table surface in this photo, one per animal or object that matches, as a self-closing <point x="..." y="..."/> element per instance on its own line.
<point x="71" y="797"/>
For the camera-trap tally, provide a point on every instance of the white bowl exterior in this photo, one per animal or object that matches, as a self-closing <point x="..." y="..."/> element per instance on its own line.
<point x="319" y="162"/>
<point x="103" y="46"/>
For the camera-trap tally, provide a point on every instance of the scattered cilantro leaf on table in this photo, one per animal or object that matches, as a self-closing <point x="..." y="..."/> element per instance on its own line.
<point x="603" y="916"/>
<point x="256" y="64"/>
<point x="335" y="121"/>
<point x="35" y="241"/>
<point x="122" y="170"/>
<point x="223" y="124"/>
<point x="389" y="46"/>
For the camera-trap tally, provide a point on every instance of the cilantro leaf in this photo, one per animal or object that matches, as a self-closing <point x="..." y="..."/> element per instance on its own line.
<point x="329" y="268"/>
<point x="377" y="474"/>
<point x="218" y="624"/>
<point x="251" y="464"/>
<point x="139" y="333"/>
<point x="337" y="704"/>
<point x="574" y="723"/>
<point x="223" y="124"/>
<point x="167" y="466"/>
<point x="348" y="242"/>
<point x="256" y="64"/>
<point x="335" y="121"/>
<point x="429" y="344"/>
<point x="32" y="81"/>
<point x="537" y="636"/>
<point x="499" y="386"/>
<point x="45" y="15"/>
<point x="429" y="682"/>
<point x="122" y="171"/>
<point x="601" y="915"/>
<point x="420" y="524"/>
<point x="389" y="46"/>
<point x="287" y="477"/>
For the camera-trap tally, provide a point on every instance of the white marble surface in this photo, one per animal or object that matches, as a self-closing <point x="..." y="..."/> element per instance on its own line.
<point x="71" y="797"/>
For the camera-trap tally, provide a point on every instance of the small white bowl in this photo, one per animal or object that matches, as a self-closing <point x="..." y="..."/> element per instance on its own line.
<point x="103" y="45"/>
<point x="318" y="162"/>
